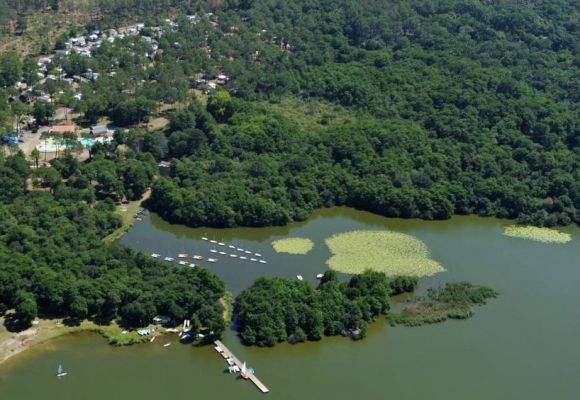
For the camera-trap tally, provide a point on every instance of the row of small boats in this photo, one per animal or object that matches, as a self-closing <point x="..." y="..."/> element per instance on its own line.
<point x="230" y="246"/>
<point x="182" y="261"/>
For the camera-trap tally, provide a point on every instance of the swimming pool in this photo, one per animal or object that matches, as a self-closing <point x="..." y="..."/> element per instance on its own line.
<point x="87" y="142"/>
<point x="50" y="147"/>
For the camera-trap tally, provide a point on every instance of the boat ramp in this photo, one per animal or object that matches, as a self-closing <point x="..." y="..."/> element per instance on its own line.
<point x="221" y="348"/>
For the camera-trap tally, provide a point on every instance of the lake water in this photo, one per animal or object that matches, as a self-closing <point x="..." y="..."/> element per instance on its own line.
<point x="522" y="345"/>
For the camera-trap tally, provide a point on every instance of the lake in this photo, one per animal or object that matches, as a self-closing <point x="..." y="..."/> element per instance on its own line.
<point x="521" y="345"/>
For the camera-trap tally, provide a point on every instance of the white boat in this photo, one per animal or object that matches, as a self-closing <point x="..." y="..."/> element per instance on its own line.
<point x="319" y="276"/>
<point x="192" y="265"/>
<point x="155" y="255"/>
<point x="212" y="260"/>
<point x="169" y="259"/>
<point x="222" y="253"/>
<point x="263" y="261"/>
<point x="233" y="255"/>
<point x="257" y="254"/>
<point x="243" y="258"/>
<point x="247" y="252"/>
<point x="238" y="249"/>
<point x="221" y="244"/>
<point x="204" y="238"/>
<point x="253" y="259"/>
<point x="183" y="263"/>
<point x="167" y="345"/>
<point x="213" y="251"/>
<point x="197" y="257"/>
<point x="230" y="361"/>
<point x="152" y="339"/>
<point x="231" y="247"/>
<point x="300" y="278"/>
<point x="182" y="255"/>
<point x="213" y="241"/>
<point x="60" y="372"/>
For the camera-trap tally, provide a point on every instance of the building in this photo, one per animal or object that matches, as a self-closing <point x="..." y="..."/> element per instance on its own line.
<point x="100" y="130"/>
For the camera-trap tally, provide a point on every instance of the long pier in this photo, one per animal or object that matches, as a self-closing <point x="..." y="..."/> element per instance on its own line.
<point x="237" y="362"/>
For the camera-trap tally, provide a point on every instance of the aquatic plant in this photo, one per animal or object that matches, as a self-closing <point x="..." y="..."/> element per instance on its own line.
<point x="544" y="235"/>
<point x="295" y="245"/>
<point x="453" y="301"/>
<point x="393" y="253"/>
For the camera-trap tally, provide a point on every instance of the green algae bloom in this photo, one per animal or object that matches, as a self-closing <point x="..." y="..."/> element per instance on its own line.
<point x="394" y="253"/>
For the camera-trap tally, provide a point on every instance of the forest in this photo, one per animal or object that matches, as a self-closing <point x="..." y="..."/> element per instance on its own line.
<point x="54" y="263"/>
<point x="406" y="137"/>
<point x="414" y="109"/>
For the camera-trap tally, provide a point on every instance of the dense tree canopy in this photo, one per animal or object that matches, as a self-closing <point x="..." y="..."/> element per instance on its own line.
<point x="53" y="261"/>
<point x="274" y="310"/>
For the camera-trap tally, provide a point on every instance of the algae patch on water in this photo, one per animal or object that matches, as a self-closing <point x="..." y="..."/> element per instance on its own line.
<point x="294" y="245"/>
<point x="393" y="253"/>
<point x="544" y="235"/>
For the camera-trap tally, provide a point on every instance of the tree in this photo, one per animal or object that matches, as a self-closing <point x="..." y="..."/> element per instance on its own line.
<point x="21" y="24"/>
<point x="10" y="68"/>
<point x="26" y="308"/>
<point x="35" y="155"/>
<point x="42" y="112"/>
<point x="221" y="106"/>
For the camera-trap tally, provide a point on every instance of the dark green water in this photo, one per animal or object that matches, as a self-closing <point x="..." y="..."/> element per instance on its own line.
<point x="523" y="345"/>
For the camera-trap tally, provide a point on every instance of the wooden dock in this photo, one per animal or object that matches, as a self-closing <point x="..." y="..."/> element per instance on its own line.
<point x="237" y="362"/>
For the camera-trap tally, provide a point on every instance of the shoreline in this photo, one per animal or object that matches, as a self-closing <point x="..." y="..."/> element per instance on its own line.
<point x="14" y="343"/>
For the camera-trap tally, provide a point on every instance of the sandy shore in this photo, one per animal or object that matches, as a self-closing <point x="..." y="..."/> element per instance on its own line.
<point x="12" y="343"/>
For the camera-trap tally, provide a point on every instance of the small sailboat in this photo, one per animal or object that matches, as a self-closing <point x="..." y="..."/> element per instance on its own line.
<point x="257" y="254"/>
<point x="231" y="246"/>
<point x="60" y="372"/>
<point x="213" y="241"/>
<point x="263" y="261"/>
<point x="196" y="257"/>
<point x="319" y="276"/>
<point x="239" y="249"/>
<point x="223" y="253"/>
<point x="155" y="255"/>
<point x="243" y="258"/>
<point x="233" y="255"/>
<point x="167" y="345"/>
<point x="169" y="259"/>
<point x="204" y="238"/>
<point x="213" y="251"/>
<point x="212" y="260"/>
<point x="246" y="372"/>
<point x="192" y="265"/>
<point x="247" y="252"/>
<point x="152" y="339"/>
<point x="221" y="244"/>
<point x="300" y="278"/>
<point x="183" y="263"/>
<point x="182" y="255"/>
<point x="253" y="259"/>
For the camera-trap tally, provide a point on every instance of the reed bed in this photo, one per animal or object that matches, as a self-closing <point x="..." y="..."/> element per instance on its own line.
<point x="294" y="245"/>
<point x="544" y="235"/>
<point x="394" y="253"/>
